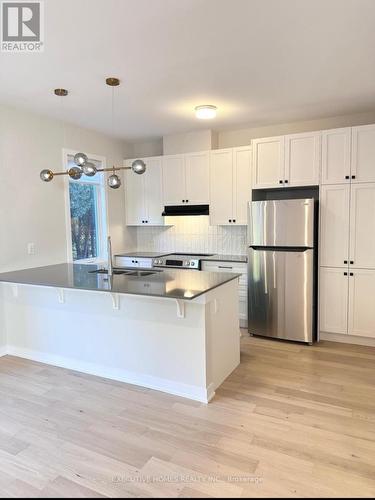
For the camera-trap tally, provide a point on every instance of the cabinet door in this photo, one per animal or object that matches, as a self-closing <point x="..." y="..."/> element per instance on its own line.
<point x="134" y="198"/>
<point x="153" y="192"/>
<point x="361" y="303"/>
<point x="241" y="184"/>
<point x="221" y="187"/>
<point x="302" y="159"/>
<point x="336" y="147"/>
<point x="174" y="186"/>
<point x="197" y="178"/>
<point x="363" y="153"/>
<point x="268" y="162"/>
<point x="362" y="225"/>
<point x="333" y="300"/>
<point x="334" y="225"/>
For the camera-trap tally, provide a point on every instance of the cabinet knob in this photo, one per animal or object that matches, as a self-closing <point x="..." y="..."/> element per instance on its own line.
<point x="286" y="181"/>
<point x="353" y="176"/>
<point x="187" y="201"/>
<point x="352" y="261"/>
<point x="280" y="182"/>
<point x="351" y="274"/>
<point x="234" y="220"/>
<point x="347" y="177"/>
<point x="230" y="220"/>
<point x="345" y="261"/>
<point x="345" y="274"/>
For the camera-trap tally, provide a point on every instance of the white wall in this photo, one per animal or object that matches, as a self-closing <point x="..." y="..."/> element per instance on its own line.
<point x="193" y="234"/>
<point x="33" y="211"/>
<point x="199" y="140"/>
<point x="243" y="136"/>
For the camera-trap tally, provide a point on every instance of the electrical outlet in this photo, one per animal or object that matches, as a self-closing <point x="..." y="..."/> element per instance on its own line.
<point x="31" y="248"/>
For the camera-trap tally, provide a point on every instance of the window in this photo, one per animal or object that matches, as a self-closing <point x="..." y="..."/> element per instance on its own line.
<point x="87" y="216"/>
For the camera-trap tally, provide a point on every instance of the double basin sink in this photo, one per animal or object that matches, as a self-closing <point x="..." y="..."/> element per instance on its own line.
<point x="126" y="272"/>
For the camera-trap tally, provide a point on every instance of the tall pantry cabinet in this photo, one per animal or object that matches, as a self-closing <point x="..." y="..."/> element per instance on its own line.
<point x="347" y="232"/>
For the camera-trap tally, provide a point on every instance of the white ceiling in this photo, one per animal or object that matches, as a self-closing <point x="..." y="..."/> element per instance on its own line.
<point x="259" y="61"/>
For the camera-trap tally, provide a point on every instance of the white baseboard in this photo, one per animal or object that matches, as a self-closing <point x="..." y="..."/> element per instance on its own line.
<point x="347" y="339"/>
<point x="195" y="393"/>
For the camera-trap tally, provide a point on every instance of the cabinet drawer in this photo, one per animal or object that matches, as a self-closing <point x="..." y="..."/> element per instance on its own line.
<point x="133" y="262"/>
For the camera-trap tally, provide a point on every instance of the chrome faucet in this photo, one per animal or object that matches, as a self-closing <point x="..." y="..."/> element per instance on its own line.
<point x="109" y="252"/>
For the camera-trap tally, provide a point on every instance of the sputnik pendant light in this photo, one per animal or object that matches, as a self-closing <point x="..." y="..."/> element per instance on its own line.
<point x="82" y="164"/>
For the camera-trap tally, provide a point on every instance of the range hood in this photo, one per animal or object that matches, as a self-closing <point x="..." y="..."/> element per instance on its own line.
<point x="186" y="210"/>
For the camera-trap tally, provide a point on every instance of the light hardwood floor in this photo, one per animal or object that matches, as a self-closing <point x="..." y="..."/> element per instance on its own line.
<point x="291" y="421"/>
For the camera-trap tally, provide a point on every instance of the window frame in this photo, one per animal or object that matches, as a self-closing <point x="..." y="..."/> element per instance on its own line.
<point x="102" y="202"/>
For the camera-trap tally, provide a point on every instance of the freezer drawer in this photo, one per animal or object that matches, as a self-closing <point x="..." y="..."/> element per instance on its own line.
<point x="282" y="223"/>
<point x="281" y="294"/>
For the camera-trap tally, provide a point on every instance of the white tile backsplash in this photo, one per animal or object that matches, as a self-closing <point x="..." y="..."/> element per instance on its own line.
<point x="192" y="234"/>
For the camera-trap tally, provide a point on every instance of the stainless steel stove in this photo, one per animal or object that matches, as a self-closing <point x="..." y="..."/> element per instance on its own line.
<point x="181" y="260"/>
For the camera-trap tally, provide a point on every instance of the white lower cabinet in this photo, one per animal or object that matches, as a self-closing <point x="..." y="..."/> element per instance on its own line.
<point x="361" y="318"/>
<point x="347" y="304"/>
<point x="333" y="300"/>
<point x="238" y="268"/>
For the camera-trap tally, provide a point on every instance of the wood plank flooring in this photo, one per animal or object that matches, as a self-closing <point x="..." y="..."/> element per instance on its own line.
<point x="291" y="421"/>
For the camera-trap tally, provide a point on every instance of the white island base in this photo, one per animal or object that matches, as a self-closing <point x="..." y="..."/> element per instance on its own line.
<point x="186" y="348"/>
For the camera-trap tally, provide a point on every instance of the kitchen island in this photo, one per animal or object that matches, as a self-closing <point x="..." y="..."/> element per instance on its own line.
<point x="173" y="330"/>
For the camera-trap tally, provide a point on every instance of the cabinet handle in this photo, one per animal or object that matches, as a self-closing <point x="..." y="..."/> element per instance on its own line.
<point x="225" y="267"/>
<point x="352" y="262"/>
<point x="345" y="274"/>
<point x="353" y="176"/>
<point x="351" y="274"/>
<point x="347" y="177"/>
<point x="345" y="261"/>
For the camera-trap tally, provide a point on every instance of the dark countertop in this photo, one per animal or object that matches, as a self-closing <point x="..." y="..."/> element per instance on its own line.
<point x="169" y="283"/>
<point x="226" y="258"/>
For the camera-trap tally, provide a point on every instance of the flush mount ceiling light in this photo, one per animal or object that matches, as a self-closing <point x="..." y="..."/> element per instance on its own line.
<point x="206" y="112"/>
<point x="83" y="165"/>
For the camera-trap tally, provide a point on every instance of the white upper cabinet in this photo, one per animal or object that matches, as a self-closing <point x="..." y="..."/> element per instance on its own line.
<point x="333" y="300"/>
<point x="186" y="179"/>
<point x="336" y="156"/>
<point x="334" y="227"/>
<point x="153" y="194"/>
<point x="230" y="186"/>
<point x="143" y="195"/>
<point x="268" y="162"/>
<point x="174" y="183"/>
<point x="241" y="184"/>
<point x="361" y="303"/>
<point x="302" y="159"/>
<point x="197" y="178"/>
<point x="362" y="225"/>
<point x="291" y="160"/>
<point x="363" y="154"/>
<point x="134" y="197"/>
<point x="221" y="187"/>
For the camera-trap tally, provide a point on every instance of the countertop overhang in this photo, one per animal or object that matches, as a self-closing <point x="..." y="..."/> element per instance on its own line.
<point x="169" y="283"/>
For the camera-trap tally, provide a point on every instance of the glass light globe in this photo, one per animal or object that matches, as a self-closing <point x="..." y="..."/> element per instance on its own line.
<point x="75" y="173"/>
<point x="114" y="181"/>
<point x="80" y="159"/>
<point x="89" y="169"/>
<point x="46" y="175"/>
<point x="139" y="166"/>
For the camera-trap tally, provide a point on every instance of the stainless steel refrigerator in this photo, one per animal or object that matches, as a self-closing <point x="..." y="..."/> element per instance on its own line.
<point x="281" y="269"/>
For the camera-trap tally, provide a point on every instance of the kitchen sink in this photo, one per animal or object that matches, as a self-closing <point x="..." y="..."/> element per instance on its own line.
<point x="126" y="272"/>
